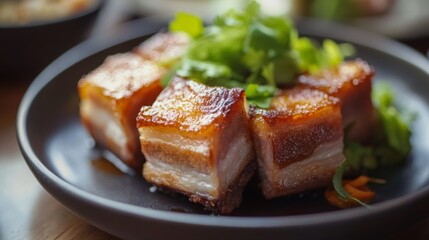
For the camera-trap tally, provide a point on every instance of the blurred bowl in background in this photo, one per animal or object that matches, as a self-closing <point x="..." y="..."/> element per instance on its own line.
<point x="165" y="10"/>
<point x="26" y="48"/>
<point x="399" y="19"/>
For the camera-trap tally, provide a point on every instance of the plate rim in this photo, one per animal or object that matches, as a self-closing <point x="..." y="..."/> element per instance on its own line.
<point x="92" y="46"/>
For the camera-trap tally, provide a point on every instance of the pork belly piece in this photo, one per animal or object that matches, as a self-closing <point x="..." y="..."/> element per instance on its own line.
<point x="298" y="141"/>
<point x="197" y="141"/>
<point x="164" y="48"/>
<point x="111" y="97"/>
<point x="351" y="83"/>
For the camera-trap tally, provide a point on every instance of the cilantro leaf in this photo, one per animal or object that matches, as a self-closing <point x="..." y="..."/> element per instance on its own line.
<point x="260" y="95"/>
<point x="246" y="47"/>
<point x="332" y="51"/>
<point x="395" y="129"/>
<point x="270" y="35"/>
<point x="187" y="23"/>
<point x="203" y="70"/>
<point x="281" y="71"/>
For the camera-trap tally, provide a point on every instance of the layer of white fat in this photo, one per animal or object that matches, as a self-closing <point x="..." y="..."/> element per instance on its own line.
<point x="236" y="158"/>
<point x="181" y="178"/>
<point x="175" y="140"/>
<point x="189" y="179"/>
<point x="325" y="158"/>
<point x="106" y="127"/>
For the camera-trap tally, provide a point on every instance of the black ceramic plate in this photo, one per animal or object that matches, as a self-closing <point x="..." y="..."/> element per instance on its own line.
<point x="60" y="154"/>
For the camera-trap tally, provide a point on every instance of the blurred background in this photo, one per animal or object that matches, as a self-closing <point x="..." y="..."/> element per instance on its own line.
<point x="394" y="18"/>
<point x="403" y="20"/>
<point x="400" y="19"/>
<point x="33" y="33"/>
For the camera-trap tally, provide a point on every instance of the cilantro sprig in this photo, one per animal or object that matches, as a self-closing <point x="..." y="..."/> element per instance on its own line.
<point x="244" y="48"/>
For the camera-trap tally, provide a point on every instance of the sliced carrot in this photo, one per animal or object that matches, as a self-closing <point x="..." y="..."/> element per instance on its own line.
<point x="360" y="193"/>
<point x="333" y="199"/>
<point x="357" y="188"/>
<point x="360" y="181"/>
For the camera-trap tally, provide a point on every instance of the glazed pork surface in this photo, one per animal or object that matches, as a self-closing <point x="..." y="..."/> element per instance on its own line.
<point x="111" y="97"/>
<point x="197" y="141"/>
<point x="351" y="83"/>
<point x="298" y="141"/>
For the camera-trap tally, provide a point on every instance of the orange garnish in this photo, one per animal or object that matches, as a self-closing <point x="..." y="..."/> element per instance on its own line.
<point x="357" y="188"/>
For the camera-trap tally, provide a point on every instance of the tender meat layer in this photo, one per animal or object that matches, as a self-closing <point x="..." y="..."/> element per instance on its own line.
<point x="187" y="175"/>
<point x="315" y="171"/>
<point x="298" y="141"/>
<point x="197" y="141"/>
<point x="111" y="97"/>
<point x="351" y="83"/>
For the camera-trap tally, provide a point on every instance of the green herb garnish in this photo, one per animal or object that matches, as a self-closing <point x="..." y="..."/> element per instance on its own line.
<point x="339" y="188"/>
<point x="250" y="50"/>
<point x="188" y="23"/>
<point x="391" y="144"/>
<point x="395" y="132"/>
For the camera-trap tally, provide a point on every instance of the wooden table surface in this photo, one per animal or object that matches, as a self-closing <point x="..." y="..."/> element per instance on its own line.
<point x="27" y="211"/>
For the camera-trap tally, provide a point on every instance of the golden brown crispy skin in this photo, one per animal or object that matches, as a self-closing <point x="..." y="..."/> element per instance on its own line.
<point x="351" y="83"/>
<point x="120" y="77"/>
<point x="190" y="107"/>
<point x="118" y="88"/>
<point x="298" y="141"/>
<point x="197" y="141"/>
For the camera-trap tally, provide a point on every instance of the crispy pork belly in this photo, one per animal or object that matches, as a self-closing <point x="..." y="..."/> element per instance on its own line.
<point x="197" y="141"/>
<point x="298" y="141"/>
<point x="164" y="48"/>
<point x="111" y="97"/>
<point x="351" y="83"/>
